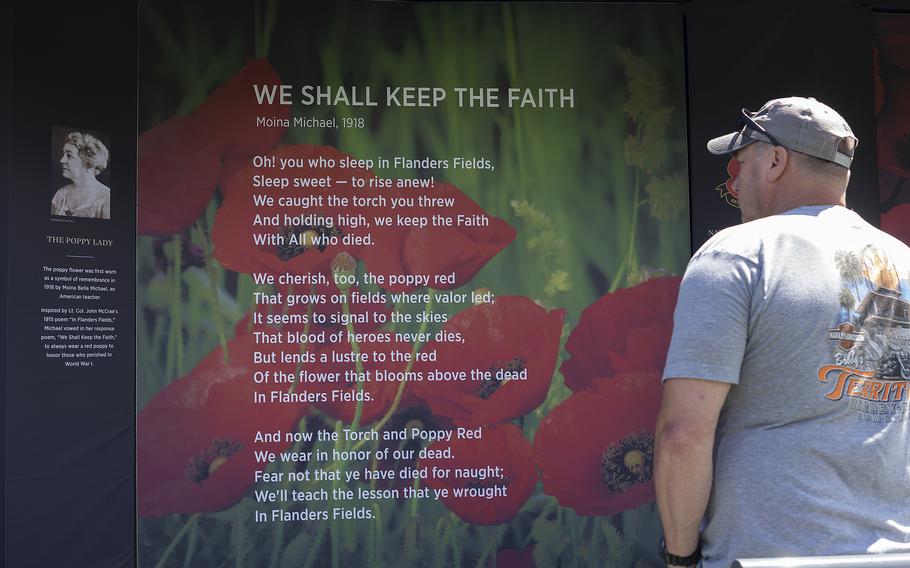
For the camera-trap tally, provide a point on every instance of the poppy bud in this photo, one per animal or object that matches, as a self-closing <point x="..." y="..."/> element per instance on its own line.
<point x="343" y="267"/>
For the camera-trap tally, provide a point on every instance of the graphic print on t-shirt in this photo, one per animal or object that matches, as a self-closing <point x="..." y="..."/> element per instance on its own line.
<point x="871" y="367"/>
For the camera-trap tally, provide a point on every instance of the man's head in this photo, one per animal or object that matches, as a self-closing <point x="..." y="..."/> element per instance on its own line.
<point x="794" y="151"/>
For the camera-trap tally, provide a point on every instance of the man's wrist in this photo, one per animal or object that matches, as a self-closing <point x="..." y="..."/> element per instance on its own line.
<point x="671" y="558"/>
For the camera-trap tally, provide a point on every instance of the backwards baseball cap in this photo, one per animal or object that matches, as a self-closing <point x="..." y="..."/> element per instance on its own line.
<point x="801" y="124"/>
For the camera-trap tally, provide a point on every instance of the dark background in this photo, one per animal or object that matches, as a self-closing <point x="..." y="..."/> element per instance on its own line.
<point x="742" y="54"/>
<point x="69" y="431"/>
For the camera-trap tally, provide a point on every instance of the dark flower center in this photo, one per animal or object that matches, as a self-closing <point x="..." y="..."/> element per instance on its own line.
<point x="190" y="254"/>
<point x="489" y="386"/>
<point x="295" y="241"/>
<point x="410" y="417"/>
<point x="489" y="483"/>
<point x="627" y="462"/>
<point x="204" y="464"/>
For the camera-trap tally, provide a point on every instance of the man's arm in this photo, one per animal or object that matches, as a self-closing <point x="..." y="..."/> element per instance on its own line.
<point x="683" y="464"/>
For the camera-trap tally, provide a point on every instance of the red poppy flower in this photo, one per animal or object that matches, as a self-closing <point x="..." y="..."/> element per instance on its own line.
<point x="196" y="438"/>
<point x="596" y="449"/>
<point x="514" y="341"/>
<point x="893" y="126"/>
<point x="308" y="235"/>
<point x="489" y="479"/>
<point x="877" y="81"/>
<point x="231" y="164"/>
<point x="892" y="34"/>
<point x="378" y="390"/>
<point x="387" y="256"/>
<point x="896" y="222"/>
<point x="463" y="248"/>
<point x="178" y="171"/>
<point x="232" y="110"/>
<point x="624" y="331"/>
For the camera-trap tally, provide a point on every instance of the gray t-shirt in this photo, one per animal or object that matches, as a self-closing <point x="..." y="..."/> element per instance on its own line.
<point x="807" y="314"/>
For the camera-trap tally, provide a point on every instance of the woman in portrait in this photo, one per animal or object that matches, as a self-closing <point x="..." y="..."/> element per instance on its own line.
<point x="84" y="157"/>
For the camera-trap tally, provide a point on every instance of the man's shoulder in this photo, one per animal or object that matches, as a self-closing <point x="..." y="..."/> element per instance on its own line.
<point x="741" y="240"/>
<point x="809" y="223"/>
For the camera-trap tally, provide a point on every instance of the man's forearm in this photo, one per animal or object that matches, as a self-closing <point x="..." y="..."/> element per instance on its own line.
<point x="682" y="476"/>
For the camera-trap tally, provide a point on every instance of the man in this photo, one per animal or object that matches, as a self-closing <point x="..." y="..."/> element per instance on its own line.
<point x="784" y="425"/>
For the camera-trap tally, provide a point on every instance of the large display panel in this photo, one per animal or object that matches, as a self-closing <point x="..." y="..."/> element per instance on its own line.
<point x="406" y="281"/>
<point x="892" y="110"/>
<point x="69" y="293"/>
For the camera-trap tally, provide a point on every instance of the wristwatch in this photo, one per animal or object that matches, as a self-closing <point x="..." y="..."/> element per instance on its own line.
<point x="675" y="560"/>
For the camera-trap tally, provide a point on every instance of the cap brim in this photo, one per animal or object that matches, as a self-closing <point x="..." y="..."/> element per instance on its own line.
<point x="729" y="143"/>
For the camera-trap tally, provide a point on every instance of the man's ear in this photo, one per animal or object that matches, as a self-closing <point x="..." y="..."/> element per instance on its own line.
<point x="779" y="159"/>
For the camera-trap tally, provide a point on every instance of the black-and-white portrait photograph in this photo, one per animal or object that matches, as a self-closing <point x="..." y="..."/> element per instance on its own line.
<point x="81" y="186"/>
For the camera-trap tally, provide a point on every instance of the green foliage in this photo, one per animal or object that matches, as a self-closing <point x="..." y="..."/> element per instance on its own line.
<point x="654" y="139"/>
<point x="647" y="149"/>
<point x="645" y="273"/>
<point x="646" y="87"/>
<point x="558" y="281"/>
<point x="551" y="540"/>
<point x="617" y="548"/>
<point x="668" y="196"/>
<point x="238" y="540"/>
<point x="544" y="243"/>
<point x="297" y="551"/>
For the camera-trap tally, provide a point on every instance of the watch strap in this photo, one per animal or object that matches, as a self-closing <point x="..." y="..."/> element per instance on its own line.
<point x="690" y="560"/>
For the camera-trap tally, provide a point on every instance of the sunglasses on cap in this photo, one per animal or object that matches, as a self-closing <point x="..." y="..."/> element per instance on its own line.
<point x="746" y="120"/>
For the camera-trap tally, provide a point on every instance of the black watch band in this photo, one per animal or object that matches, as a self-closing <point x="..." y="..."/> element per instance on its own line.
<point x="675" y="560"/>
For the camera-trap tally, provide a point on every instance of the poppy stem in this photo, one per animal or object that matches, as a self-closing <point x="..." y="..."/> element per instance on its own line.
<point x="456" y="541"/>
<point x="441" y="535"/>
<point x="358" y="364"/>
<point x="489" y="551"/>
<point x="628" y="264"/>
<point x="410" y="543"/>
<point x="278" y="530"/>
<point x="423" y="326"/>
<point x="158" y="334"/>
<point x="191" y="546"/>
<point x="595" y="541"/>
<point x="286" y="308"/>
<point x="414" y="500"/>
<point x="374" y="463"/>
<point x="377" y="511"/>
<point x="335" y="534"/>
<point x="317" y="544"/>
<point x="400" y="392"/>
<point x="174" y="361"/>
<point x="238" y="540"/>
<point x="573" y="530"/>
<point x="213" y="288"/>
<point x="304" y="347"/>
<point x="177" y="537"/>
